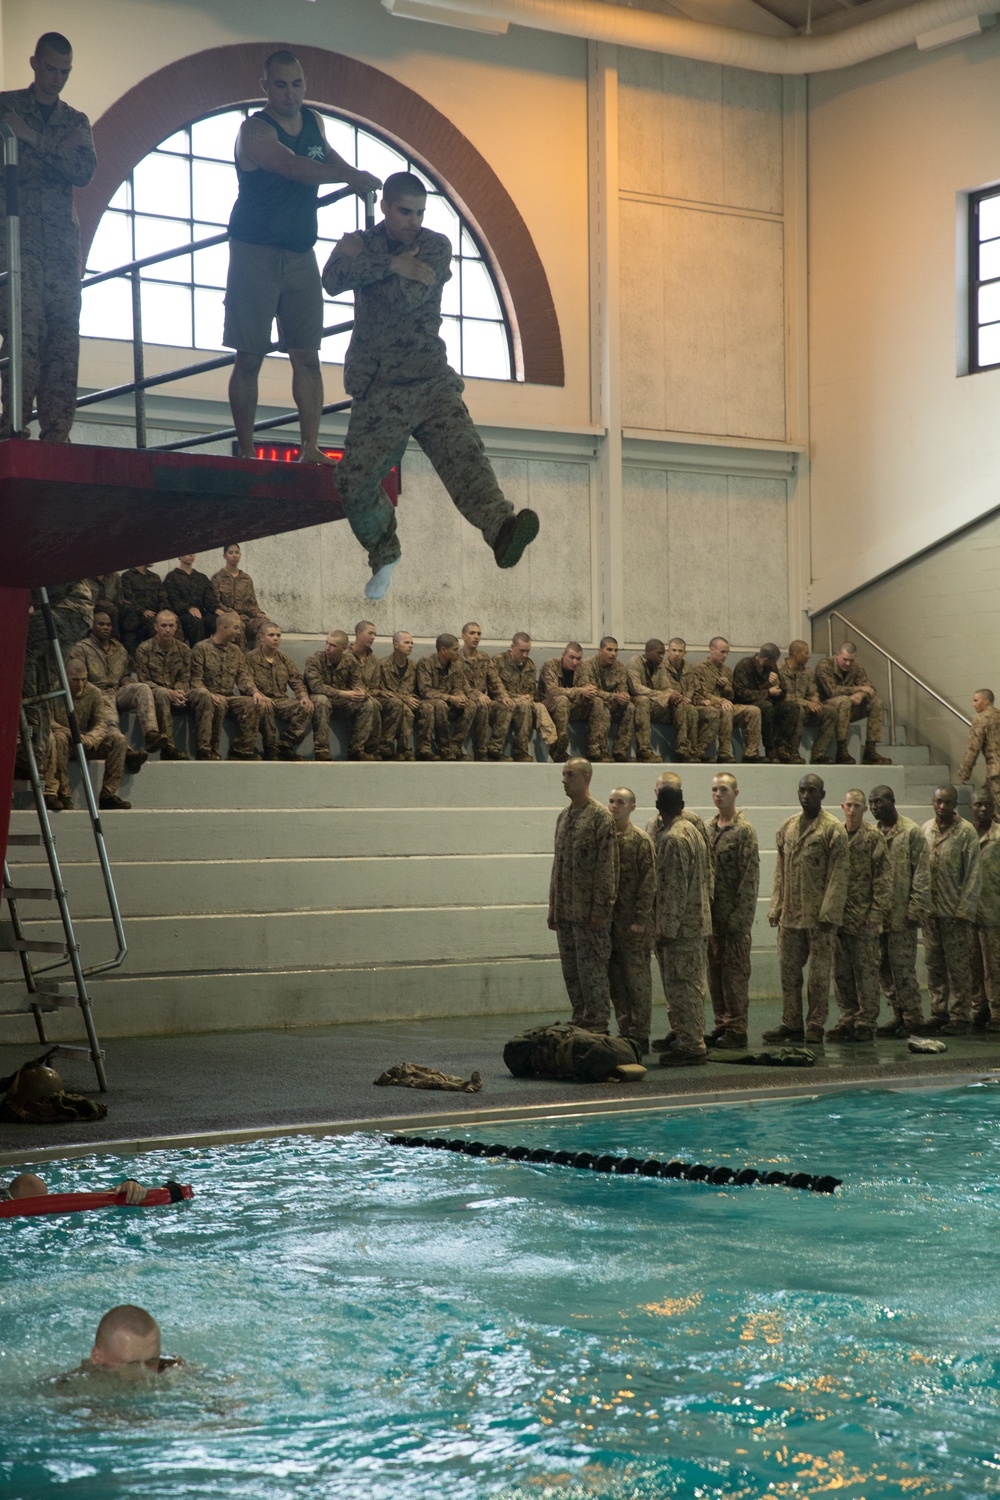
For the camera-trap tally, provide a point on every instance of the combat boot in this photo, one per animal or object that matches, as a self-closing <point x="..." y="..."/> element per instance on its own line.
<point x="842" y="1032"/>
<point x="559" y="751"/>
<point x="871" y="757"/>
<point x="785" y="1033"/>
<point x="649" y="756"/>
<point x="844" y="756"/>
<point x="676" y="1058"/>
<point x="733" y="1041"/>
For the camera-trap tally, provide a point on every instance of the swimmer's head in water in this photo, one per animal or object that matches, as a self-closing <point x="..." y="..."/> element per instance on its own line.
<point x="127" y="1340"/>
<point x="27" y="1185"/>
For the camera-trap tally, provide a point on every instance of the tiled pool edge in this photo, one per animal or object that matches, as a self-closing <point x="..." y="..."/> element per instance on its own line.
<point x="130" y="1146"/>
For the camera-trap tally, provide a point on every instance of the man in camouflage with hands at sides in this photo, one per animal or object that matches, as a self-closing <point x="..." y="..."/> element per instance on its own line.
<point x="630" y="976"/>
<point x="736" y="864"/>
<point x="956" y="887"/>
<point x="867" y="905"/>
<point x="582" y="892"/>
<point x="984" y="740"/>
<point x="398" y="375"/>
<point x="986" y="939"/>
<point x="909" y="901"/>
<point x="684" y="885"/>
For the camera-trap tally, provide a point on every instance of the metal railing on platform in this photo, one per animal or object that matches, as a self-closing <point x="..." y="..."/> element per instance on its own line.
<point x="893" y="664"/>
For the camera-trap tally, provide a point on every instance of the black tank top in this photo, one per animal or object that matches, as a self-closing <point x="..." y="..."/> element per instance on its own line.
<point x="274" y="210"/>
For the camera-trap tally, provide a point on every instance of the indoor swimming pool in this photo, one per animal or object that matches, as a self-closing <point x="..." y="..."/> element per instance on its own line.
<point x="374" y="1323"/>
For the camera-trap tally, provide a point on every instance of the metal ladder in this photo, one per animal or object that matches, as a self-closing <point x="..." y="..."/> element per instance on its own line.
<point x="47" y="994"/>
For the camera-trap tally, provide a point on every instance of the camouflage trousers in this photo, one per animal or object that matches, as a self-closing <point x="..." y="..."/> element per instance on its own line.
<point x="364" y="717"/>
<point x="50" y="331"/>
<point x="856" y="976"/>
<point x="729" y="979"/>
<point x="452" y="726"/>
<point x="584" y="953"/>
<point x="993" y="787"/>
<point x="135" y="697"/>
<point x="656" y="710"/>
<point x="848" y="713"/>
<point x="746" y="718"/>
<point x="825" y="723"/>
<point x="381" y="422"/>
<point x="292" y="714"/>
<point x="948" y="955"/>
<point x="164" y="712"/>
<point x="40" y="674"/>
<point x="898" y="975"/>
<point x="780" y="724"/>
<point x="107" y="745"/>
<point x="799" y="948"/>
<point x="397" y="726"/>
<point x="682" y="974"/>
<point x="244" y="714"/>
<point x="630" y="980"/>
<point x="594" y="710"/>
<point x="986" y="974"/>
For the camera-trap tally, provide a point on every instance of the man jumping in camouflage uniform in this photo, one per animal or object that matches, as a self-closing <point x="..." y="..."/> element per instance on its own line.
<point x="908" y="905"/>
<point x="629" y="974"/>
<point x="956" y="886"/>
<point x="856" y="951"/>
<point x="984" y="740"/>
<point x="398" y="375"/>
<point x="56" y="152"/>
<point x="582" y="894"/>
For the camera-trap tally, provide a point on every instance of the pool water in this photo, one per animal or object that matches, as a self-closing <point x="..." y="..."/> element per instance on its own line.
<point x="366" y="1322"/>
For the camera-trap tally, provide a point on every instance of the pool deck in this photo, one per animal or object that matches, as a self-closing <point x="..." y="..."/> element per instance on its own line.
<point x="192" y="1090"/>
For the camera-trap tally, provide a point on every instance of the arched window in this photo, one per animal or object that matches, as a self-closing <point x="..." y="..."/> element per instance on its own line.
<point x="184" y="190"/>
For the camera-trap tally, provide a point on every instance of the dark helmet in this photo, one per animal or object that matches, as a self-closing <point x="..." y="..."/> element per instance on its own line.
<point x="32" y="1083"/>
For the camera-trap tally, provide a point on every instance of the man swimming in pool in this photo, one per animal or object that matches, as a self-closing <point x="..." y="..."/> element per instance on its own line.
<point x="127" y="1343"/>
<point x="27" y="1185"/>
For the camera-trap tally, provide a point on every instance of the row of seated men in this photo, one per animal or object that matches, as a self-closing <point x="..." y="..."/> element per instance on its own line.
<point x="134" y="598"/>
<point x="458" y="691"/>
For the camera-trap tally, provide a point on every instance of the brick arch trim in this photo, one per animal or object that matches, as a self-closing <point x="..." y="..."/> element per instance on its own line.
<point x="220" y="76"/>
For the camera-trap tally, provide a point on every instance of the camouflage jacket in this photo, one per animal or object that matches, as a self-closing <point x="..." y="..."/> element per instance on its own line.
<point x="437" y="679"/>
<point x="552" y="684"/>
<point x="683" y="884"/>
<point x="167" y="669"/>
<point x="481" y="674"/>
<point x="139" y="592"/>
<point x="221" y="669"/>
<point x="656" y="832"/>
<point x="956" y="870"/>
<point x="584" y="879"/>
<point x="370" y="666"/>
<point x="519" y="680"/>
<point x="186" y="591"/>
<point x="607" y="678"/>
<point x="911" y="874"/>
<point x="736" y="863"/>
<point x="751" y="682"/>
<point x="645" y="681"/>
<point x="636" y="883"/>
<point x="395" y="681"/>
<point x="799" y="683"/>
<point x="279" y="678"/>
<point x="708" y="683"/>
<point x="988" y="914"/>
<point x="325" y="680"/>
<point x="106" y="669"/>
<point x="984" y="740"/>
<point x="48" y="171"/>
<point x="869" y="881"/>
<point x="93" y="717"/>
<point x="835" y="683"/>
<point x="236" y="591"/>
<point x="810" y="872"/>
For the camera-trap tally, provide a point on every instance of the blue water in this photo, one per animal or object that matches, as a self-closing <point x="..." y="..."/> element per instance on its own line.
<point x="364" y="1322"/>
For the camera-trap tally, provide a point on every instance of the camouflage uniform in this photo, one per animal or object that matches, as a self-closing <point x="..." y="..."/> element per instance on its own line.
<point x="703" y="719"/>
<point x="650" y="689"/>
<point x="223" y="670"/>
<point x="395" y="685"/>
<point x="711" y="686"/>
<point x="106" y="593"/>
<point x="187" y="591"/>
<point x="800" y="688"/>
<point x="986" y="941"/>
<point x="780" y="718"/>
<point x="327" y="685"/>
<point x="736" y="865"/>
<point x="909" y="901"/>
<point x="656" y="832"/>
<point x="170" y="671"/>
<point x="856" y="953"/>
<point x="583" y="887"/>
<point x="397" y="372"/>
<point x="72" y="615"/>
<point x="984" y="740"/>
<point x="438" y="681"/>
<point x="107" y="668"/>
<point x="489" y="728"/>
<point x="101" y="739"/>
<point x="50" y="262"/>
<point x="281" y="682"/>
<point x="560" y="692"/>
<point x="836" y="687"/>
<point x="629" y="976"/>
<point x="139" y="592"/>
<point x="520" y="683"/>
<point x="611" y="678"/>
<point x="810" y="889"/>
<point x="956" y="886"/>
<point x="683" y="923"/>
<point x="235" y="591"/>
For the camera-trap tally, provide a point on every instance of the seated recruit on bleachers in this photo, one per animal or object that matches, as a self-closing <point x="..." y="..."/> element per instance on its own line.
<point x="517" y="672"/>
<point x="111" y="671"/>
<point x="567" y="696"/>
<point x="712" y="687"/>
<point x="192" y="598"/>
<point x="219" y="666"/>
<point x="164" y="664"/>
<point x="659" y="699"/>
<point x="101" y="738"/>
<point x="610" y="679"/>
<point x="845" y="684"/>
<point x="235" y="591"/>
<point x="799" y="682"/>
<point x="362" y="648"/>
<point x="398" y="699"/>
<point x="106" y="593"/>
<point x="493" y="707"/>
<point x="333" y="680"/>
<point x="756" y="680"/>
<point x="278" y="678"/>
<point x="142" y="597"/>
<point x="441" y="682"/>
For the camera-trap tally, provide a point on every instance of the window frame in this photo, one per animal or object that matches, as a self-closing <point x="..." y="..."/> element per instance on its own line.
<point x="974" y="282"/>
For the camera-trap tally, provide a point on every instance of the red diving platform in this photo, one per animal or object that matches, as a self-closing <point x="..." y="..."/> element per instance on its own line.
<point x="69" y="512"/>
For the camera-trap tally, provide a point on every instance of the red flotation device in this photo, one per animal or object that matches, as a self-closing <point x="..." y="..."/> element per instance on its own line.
<point x="71" y="1203"/>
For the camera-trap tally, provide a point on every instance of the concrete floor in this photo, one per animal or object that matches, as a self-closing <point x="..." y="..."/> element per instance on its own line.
<point x="256" y="1082"/>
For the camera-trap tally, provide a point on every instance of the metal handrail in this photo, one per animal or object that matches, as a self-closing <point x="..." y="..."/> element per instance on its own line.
<point x="12" y="276"/>
<point x="892" y="662"/>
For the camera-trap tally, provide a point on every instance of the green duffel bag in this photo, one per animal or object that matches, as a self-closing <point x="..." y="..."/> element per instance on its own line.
<point x="565" y="1051"/>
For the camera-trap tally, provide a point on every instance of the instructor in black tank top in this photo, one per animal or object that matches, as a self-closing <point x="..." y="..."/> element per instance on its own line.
<point x="282" y="158"/>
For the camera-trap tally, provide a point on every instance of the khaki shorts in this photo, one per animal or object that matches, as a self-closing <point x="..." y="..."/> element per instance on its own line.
<point x="265" y="283"/>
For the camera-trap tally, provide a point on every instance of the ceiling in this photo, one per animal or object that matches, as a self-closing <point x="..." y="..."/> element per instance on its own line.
<point x="773" y="17"/>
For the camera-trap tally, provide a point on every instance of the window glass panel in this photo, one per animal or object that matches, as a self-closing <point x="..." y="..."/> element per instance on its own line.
<point x="469" y="246"/>
<point x="123" y="197"/>
<point x="161" y="185"/>
<point x="989" y="260"/>
<point x="112" y="244"/>
<point x="335" y="313"/>
<point x="166" y="314"/>
<point x="178" y="142"/>
<point x="479" y="300"/>
<point x="210" y="266"/>
<point x="154" y="235"/>
<point x="442" y="218"/>
<point x="107" y="311"/>
<point x="216" y="136"/>
<point x="484" y="350"/>
<point x="989" y="303"/>
<point x="341" y="217"/>
<point x="209" y="315"/>
<point x="340" y="134"/>
<point x="989" y="217"/>
<point x="214" y="192"/>
<point x="451" y="332"/>
<point x="334" y="350"/>
<point x="375" y="156"/>
<point x="989" y="344"/>
<point x="451" y="295"/>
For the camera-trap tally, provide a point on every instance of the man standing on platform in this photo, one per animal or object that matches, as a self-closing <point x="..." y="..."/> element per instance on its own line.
<point x="683" y="925"/>
<point x="984" y="740"/>
<point x="908" y="904"/>
<point x="986" y="940"/>
<point x="398" y="374"/>
<point x="582" y="894"/>
<point x="57" y="154"/>
<point x="736" y="869"/>
<point x="629" y="973"/>
<point x="856" y="952"/>
<point x="807" y="907"/>
<point x="956" y="886"/>
<point x="282" y="159"/>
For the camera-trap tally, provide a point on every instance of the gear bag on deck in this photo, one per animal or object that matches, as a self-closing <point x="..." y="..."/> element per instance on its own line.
<point x="565" y="1051"/>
